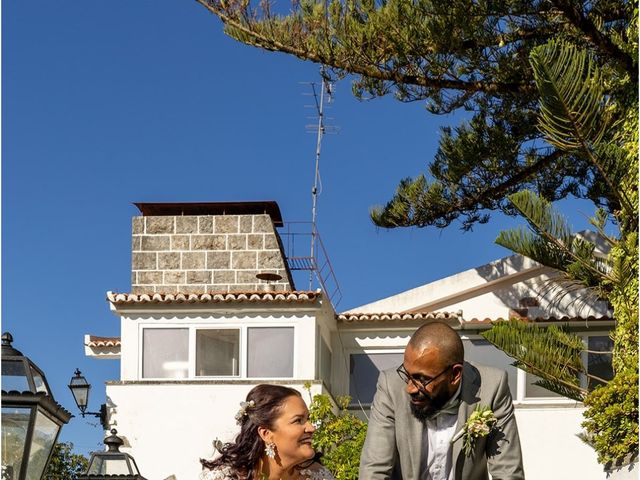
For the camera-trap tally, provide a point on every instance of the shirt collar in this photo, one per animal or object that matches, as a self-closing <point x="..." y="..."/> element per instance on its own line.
<point x="451" y="407"/>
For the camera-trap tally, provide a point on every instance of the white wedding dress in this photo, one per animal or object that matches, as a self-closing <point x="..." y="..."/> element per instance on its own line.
<point x="314" y="472"/>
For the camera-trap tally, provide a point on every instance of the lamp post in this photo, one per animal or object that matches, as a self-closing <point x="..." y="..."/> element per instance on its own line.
<point x="80" y="390"/>
<point x="112" y="464"/>
<point x="31" y="418"/>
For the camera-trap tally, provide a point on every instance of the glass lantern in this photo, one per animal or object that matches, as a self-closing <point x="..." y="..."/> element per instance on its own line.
<point x="31" y="419"/>
<point x="112" y="463"/>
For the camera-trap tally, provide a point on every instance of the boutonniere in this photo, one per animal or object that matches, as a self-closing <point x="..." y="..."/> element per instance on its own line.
<point x="479" y="424"/>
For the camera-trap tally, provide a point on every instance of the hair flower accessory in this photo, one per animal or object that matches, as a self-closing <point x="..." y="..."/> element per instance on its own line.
<point x="243" y="410"/>
<point x="479" y="424"/>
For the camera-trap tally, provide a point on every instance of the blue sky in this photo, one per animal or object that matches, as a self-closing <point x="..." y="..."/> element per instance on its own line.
<point x="109" y="103"/>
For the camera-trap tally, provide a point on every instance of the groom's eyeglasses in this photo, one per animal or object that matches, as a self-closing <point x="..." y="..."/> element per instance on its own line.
<point x="421" y="385"/>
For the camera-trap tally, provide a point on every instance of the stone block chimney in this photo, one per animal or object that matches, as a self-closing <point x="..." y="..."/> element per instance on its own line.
<point x="208" y="247"/>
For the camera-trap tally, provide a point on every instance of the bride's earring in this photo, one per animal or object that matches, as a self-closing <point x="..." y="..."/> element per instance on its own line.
<point x="270" y="450"/>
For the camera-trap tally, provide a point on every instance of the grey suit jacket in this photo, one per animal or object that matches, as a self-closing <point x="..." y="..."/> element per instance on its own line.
<point x="393" y="445"/>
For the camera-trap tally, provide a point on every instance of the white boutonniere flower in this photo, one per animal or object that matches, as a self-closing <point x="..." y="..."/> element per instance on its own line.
<point x="479" y="424"/>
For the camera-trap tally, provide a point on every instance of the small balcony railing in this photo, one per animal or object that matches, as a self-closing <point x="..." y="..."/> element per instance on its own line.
<point x="308" y="260"/>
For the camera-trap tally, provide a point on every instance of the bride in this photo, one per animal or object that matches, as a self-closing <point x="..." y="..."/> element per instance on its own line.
<point x="274" y="442"/>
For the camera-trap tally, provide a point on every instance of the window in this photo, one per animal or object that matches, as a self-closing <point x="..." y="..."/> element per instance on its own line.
<point x="364" y="370"/>
<point x="217" y="352"/>
<point x="536" y="391"/>
<point x="324" y="370"/>
<point x="599" y="364"/>
<point x="173" y="352"/>
<point x="165" y="353"/>
<point x="483" y="352"/>
<point x="270" y="352"/>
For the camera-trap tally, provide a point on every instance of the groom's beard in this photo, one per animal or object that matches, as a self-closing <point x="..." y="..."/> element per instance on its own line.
<point x="432" y="403"/>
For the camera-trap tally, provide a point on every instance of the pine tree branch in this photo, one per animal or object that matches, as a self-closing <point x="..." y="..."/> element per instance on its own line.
<point x="595" y="377"/>
<point x="619" y="193"/>
<point x="499" y="190"/>
<point x="514" y="36"/>
<point x="542" y="230"/>
<point x="585" y="25"/>
<point x="373" y="71"/>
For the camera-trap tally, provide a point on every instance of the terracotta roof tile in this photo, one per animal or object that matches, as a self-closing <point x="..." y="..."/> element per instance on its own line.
<point x="457" y="319"/>
<point x="549" y="319"/>
<point x="381" y="317"/>
<point x="212" y="297"/>
<point x="94" y="341"/>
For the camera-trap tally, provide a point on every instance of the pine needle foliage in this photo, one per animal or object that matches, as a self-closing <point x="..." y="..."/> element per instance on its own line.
<point x="550" y="241"/>
<point x="551" y="353"/>
<point x="459" y="55"/>
<point x="544" y="85"/>
<point x="574" y="110"/>
<point x="575" y="116"/>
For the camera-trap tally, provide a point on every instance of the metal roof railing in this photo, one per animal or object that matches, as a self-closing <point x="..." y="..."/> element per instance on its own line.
<point x="305" y="252"/>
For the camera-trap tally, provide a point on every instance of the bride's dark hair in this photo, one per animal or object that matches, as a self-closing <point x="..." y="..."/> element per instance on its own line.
<point x="244" y="454"/>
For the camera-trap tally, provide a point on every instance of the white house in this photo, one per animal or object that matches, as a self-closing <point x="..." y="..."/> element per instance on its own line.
<point x="213" y="311"/>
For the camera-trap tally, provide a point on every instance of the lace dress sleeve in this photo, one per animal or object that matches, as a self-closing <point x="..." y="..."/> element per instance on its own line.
<point x="316" y="472"/>
<point x="218" y="473"/>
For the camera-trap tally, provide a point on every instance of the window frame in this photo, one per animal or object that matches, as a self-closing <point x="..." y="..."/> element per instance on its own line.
<point x="519" y="398"/>
<point x="293" y="351"/>
<point x="522" y="399"/>
<point x="320" y="339"/>
<point x="355" y="403"/>
<point x="585" y="355"/>
<point x="191" y="354"/>
<point x="164" y="326"/>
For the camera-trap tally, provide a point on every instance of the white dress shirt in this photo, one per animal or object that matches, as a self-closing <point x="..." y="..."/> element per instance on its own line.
<point x="436" y="458"/>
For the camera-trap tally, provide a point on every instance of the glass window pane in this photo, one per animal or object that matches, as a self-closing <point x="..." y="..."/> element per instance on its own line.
<point x="484" y="352"/>
<point x="103" y="464"/>
<point x="325" y="363"/>
<point x="165" y="353"/>
<point x="15" y="422"/>
<point x="364" y="371"/>
<point x="115" y="466"/>
<point x="39" y="382"/>
<point x="534" y="391"/>
<point x="14" y="376"/>
<point x="270" y="352"/>
<point x="217" y="352"/>
<point x="44" y="436"/>
<point x="599" y="364"/>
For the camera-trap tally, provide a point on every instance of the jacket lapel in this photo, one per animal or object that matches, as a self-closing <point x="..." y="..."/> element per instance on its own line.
<point x="415" y="438"/>
<point x="468" y="403"/>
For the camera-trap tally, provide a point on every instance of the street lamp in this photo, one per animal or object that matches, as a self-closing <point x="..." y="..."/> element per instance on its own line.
<point x="112" y="464"/>
<point x="31" y="418"/>
<point x="80" y="390"/>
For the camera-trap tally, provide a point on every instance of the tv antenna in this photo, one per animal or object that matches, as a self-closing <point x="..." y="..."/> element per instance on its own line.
<point x="324" y="91"/>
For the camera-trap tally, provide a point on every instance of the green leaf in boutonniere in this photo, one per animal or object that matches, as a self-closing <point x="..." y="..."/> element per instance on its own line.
<point x="479" y="424"/>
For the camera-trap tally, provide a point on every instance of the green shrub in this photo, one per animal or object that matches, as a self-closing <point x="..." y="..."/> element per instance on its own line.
<point x="65" y="464"/>
<point x="339" y="436"/>
<point x="612" y="418"/>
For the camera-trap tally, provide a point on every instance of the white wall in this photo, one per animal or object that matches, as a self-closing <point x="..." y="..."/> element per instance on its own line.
<point x="429" y="297"/>
<point x="169" y="427"/>
<point x="550" y="448"/>
<point x="490" y="291"/>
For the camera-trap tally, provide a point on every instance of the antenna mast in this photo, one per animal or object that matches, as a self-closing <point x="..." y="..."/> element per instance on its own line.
<point x="325" y="87"/>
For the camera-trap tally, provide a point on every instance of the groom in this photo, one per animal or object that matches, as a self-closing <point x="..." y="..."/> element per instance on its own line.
<point x="416" y="426"/>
